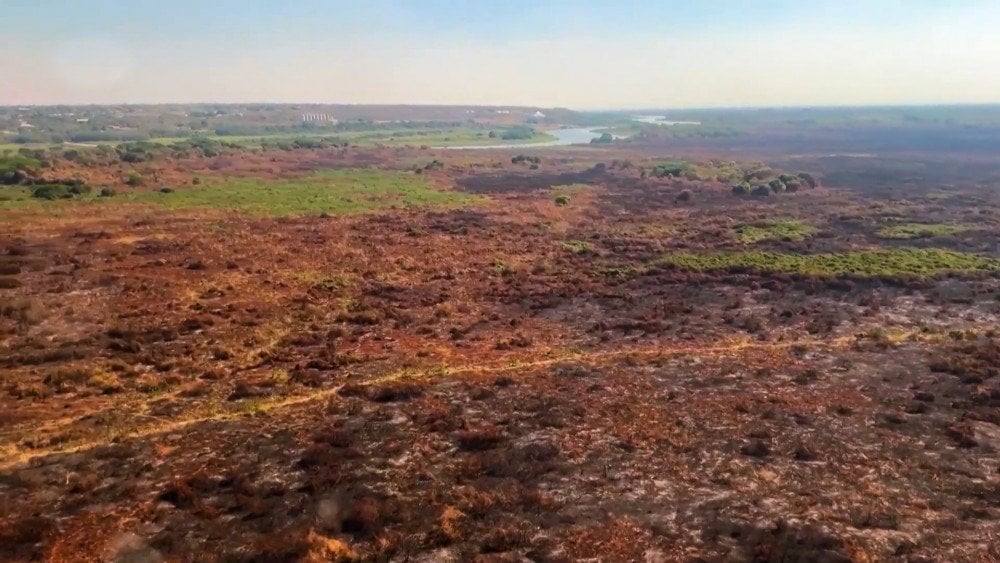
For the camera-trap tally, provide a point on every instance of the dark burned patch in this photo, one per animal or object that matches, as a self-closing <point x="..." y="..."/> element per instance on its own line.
<point x="391" y="392"/>
<point x="457" y="222"/>
<point x="779" y="542"/>
<point x="507" y="183"/>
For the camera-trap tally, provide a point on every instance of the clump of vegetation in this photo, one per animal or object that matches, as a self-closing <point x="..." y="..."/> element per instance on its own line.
<point x="517" y="133"/>
<point x="562" y="199"/>
<point x="61" y="190"/>
<point x="778" y="229"/>
<point x="134" y="179"/>
<point x="604" y="139"/>
<point x="670" y="170"/>
<point x="907" y="262"/>
<point x="16" y="169"/>
<point x="905" y="231"/>
<point x="576" y="246"/>
<point x="743" y="188"/>
<point x="521" y="159"/>
<point x="762" y="190"/>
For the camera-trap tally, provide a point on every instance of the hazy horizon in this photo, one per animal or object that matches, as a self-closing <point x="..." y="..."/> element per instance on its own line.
<point x="583" y="55"/>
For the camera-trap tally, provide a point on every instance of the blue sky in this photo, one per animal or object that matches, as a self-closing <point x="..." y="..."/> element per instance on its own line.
<point x="585" y="53"/>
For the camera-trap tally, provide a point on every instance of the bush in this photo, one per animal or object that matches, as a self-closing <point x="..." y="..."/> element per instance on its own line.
<point x="107" y="192"/>
<point x="134" y="179"/>
<point x="52" y="191"/>
<point x="604" y="139"/>
<point x="520" y="159"/>
<point x="562" y="200"/>
<point x="672" y="170"/>
<point x="777" y="186"/>
<point x="166" y="190"/>
<point x="685" y="195"/>
<point x="518" y="132"/>
<point x="761" y="190"/>
<point x="808" y="179"/>
<point x="743" y="188"/>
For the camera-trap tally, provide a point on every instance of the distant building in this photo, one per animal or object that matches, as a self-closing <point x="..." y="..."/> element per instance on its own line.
<point x="318" y="117"/>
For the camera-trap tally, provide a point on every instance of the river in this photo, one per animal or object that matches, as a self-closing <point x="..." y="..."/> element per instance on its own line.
<point x="570" y="136"/>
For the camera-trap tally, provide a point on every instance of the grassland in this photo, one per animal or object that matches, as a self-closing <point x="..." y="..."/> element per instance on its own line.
<point x="906" y="231"/>
<point x="779" y="229"/>
<point x="915" y="262"/>
<point x="334" y="192"/>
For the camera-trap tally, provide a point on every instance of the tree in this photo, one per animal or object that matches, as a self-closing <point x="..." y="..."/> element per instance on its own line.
<point x="777" y="186"/>
<point x="604" y="139"/>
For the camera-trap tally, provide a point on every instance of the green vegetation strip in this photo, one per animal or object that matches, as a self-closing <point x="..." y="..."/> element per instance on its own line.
<point x="905" y="231"/>
<point x="780" y="229"/>
<point x="918" y="262"/>
<point x="333" y="192"/>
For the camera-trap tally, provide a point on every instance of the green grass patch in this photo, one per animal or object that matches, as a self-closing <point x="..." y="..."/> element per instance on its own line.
<point x="780" y="229"/>
<point x="576" y="246"/>
<point x="906" y="231"/>
<point x="917" y="262"/>
<point x="334" y="192"/>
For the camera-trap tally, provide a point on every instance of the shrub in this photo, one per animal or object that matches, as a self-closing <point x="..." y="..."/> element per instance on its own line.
<point x="562" y="200"/>
<point x="761" y="190"/>
<point x="107" y="192"/>
<point x="519" y="159"/>
<point x="52" y="191"/>
<point x="792" y="186"/>
<point x="134" y="179"/>
<point x="672" y="170"/>
<point x="518" y="132"/>
<point x="685" y="195"/>
<point x="809" y="179"/>
<point x="166" y="190"/>
<point x="743" y="188"/>
<point x="777" y="186"/>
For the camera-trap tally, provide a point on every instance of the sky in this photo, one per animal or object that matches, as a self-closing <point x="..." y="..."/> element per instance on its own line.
<point x="582" y="54"/>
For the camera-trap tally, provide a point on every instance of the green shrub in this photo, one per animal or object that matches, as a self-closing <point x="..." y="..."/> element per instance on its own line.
<point x="107" y="192"/>
<point x="518" y="132"/>
<point x="562" y="200"/>
<point x="134" y="179"/>
<point x="51" y="192"/>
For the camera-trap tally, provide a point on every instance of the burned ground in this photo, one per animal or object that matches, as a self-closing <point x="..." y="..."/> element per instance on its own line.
<point x="510" y="378"/>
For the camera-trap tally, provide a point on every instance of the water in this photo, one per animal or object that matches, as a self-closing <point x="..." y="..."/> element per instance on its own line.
<point x="661" y="120"/>
<point x="570" y="136"/>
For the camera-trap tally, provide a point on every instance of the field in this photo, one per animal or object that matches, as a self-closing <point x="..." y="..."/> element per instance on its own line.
<point x="378" y="352"/>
